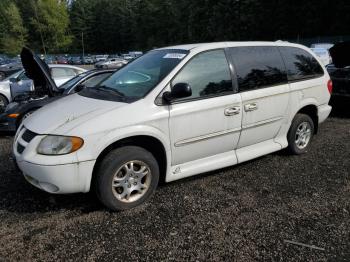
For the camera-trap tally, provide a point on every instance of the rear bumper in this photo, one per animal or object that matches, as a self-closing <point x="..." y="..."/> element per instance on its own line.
<point x="323" y="112"/>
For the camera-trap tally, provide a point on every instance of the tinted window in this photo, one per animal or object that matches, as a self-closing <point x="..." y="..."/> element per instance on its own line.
<point x="258" y="67"/>
<point x="207" y="73"/>
<point x="300" y="64"/>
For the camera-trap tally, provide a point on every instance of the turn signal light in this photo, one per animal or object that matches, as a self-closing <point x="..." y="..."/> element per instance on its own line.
<point x="13" y="115"/>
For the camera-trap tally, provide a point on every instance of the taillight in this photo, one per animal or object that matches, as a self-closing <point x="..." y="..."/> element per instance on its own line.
<point x="330" y="86"/>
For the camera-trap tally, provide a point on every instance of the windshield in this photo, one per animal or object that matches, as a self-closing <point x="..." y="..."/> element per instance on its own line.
<point x="139" y="77"/>
<point x="15" y="75"/>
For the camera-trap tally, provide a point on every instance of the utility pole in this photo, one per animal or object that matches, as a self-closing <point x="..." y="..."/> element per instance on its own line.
<point x="39" y="25"/>
<point x="82" y="43"/>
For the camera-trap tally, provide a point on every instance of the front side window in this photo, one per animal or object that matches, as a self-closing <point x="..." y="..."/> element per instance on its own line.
<point x="300" y="64"/>
<point x="258" y="67"/>
<point x="207" y="73"/>
<point x="138" y="78"/>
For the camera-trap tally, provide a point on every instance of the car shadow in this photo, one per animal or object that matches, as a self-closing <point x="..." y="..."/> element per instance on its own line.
<point x="18" y="196"/>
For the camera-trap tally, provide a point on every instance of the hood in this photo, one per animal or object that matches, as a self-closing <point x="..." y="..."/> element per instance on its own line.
<point x="340" y="54"/>
<point x="64" y="114"/>
<point x="37" y="70"/>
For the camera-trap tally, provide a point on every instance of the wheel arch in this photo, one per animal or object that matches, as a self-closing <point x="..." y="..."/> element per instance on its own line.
<point x="4" y="96"/>
<point x="148" y="142"/>
<point x="312" y="111"/>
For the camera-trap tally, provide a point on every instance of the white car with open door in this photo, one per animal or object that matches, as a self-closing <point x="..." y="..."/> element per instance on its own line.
<point x="172" y="113"/>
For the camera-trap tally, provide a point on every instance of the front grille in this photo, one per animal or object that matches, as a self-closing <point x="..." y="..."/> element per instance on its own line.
<point x="20" y="148"/>
<point x="28" y="135"/>
<point x="24" y="138"/>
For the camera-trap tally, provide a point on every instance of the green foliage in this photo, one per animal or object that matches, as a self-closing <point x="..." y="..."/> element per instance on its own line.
<point x="50" y="23"/>
<point x="121" y="25"/>
<point x="13" y="33"/>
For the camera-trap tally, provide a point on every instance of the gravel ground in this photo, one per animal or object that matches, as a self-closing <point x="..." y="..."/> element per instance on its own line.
<point x="244" y="213"/>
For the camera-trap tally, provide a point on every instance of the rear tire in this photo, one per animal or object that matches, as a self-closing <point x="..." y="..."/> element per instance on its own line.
<point x="300" y="134"/>
<point x="126" y="177"/>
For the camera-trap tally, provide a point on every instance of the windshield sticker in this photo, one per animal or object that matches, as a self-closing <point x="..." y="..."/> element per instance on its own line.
<point x="175" y="55"/>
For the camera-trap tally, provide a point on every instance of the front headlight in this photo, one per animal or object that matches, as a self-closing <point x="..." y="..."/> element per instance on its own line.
<point x="59" y="145"/>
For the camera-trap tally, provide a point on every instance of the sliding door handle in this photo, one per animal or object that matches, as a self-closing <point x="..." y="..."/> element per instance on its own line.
<point x="250" y="107"/>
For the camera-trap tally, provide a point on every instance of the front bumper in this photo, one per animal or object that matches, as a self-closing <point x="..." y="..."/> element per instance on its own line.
<point x="7" y="124"/>
<point x="62" y="174"/>
<point x="59" y="179"/>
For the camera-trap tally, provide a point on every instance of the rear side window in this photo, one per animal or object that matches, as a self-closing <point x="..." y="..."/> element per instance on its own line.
<point x="300" y="64"/>
<point x="258" y="67"/>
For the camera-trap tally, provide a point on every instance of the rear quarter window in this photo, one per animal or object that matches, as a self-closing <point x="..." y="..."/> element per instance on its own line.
<point x="258" y="67"/>
<point x="300" y="64"/>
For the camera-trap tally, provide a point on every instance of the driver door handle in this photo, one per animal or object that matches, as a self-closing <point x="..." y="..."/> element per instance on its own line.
<point x="232" y="111"/>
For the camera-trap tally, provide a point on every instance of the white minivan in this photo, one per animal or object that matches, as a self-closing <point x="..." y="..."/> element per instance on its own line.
<point x="172" y="113"/>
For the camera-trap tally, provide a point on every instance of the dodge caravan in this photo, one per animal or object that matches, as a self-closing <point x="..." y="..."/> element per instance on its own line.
<point x="172" y="113"/>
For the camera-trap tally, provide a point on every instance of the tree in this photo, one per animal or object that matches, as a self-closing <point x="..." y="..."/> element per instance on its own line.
<point x="50" y="24"/>
<point x="13" y="34"/>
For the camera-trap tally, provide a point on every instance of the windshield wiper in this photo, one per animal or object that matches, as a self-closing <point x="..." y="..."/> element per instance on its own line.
<point x="105" y="88"/>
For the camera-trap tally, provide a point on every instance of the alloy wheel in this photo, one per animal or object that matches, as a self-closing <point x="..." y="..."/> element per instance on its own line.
<point x="303" y="135"/>
<point x="131" y="181"/>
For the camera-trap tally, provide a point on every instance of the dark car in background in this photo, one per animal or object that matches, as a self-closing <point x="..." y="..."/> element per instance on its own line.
<point x="9" y="67"/>
<point x="341" y="80"/>
<point x="87" y="60"/>
<point x="62" y="60"/>
<point x="26" y="103"/>
<point x="339" y="71"/>
<point x="75" y="60"/>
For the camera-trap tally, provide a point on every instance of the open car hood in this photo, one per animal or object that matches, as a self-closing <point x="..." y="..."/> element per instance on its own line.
<point x="37" y="70"/>
<point x="340" y="54"/>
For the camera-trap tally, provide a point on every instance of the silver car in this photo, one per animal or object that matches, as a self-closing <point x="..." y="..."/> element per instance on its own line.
<point x="112" y="63"/>
<point x="59" y="73"/>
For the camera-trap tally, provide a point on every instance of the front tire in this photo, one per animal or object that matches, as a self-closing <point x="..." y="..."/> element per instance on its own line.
<point x="3" y="103"/>
<point x="300" y="134"/>
<point x="126" y="177"/>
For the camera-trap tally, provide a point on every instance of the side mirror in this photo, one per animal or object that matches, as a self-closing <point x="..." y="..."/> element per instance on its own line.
<point x="178" y="91"/>
<point x="78" y="88"/>
<point x="13" y="80"/>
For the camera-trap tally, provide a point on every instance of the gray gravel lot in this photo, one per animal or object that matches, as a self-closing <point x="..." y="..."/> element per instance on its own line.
<point x="243" y="212"/>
